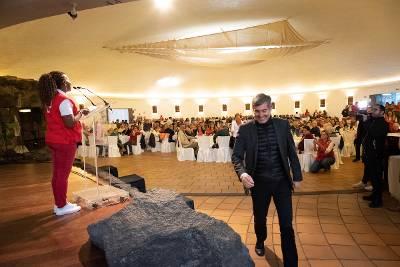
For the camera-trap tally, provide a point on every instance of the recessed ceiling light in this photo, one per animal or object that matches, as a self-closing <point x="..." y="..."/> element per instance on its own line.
<point x="169" y="82"/>
<point x="163" y="4"/>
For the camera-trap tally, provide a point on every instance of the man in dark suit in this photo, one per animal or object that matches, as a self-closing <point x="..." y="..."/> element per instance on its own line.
<point x="263" y="155"/>
<point x="360" y="135"/>
<point x="374" y="153"/>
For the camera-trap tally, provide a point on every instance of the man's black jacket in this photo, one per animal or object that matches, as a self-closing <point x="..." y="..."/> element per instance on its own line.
<point x="244" y="157"/>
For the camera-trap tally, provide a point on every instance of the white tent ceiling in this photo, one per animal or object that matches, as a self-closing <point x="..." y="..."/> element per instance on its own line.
<point x="363" y="48"/>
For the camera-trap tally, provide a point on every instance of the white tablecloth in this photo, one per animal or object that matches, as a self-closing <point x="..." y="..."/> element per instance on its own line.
<point x="394" y="176"/>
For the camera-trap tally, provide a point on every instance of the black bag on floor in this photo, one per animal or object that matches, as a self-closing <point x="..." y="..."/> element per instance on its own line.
<point x="108" y="168"/>
<point x="135" y="181"/>
<point x="188" y="201"/>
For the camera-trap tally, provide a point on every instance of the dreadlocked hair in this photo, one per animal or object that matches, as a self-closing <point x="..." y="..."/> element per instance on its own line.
<point x="58" y="77"/>
<point x="47" y="89"/>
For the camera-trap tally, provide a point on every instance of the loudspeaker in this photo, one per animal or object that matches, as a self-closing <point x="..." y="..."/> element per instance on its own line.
<point x="135" y="181"/>
<point x="109" y="168"/>
<point x="188" y="201"/>
<point x="78" y="163"/>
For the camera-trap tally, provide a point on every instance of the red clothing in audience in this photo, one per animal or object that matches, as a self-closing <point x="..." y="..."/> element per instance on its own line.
<point x="322" y="146"/>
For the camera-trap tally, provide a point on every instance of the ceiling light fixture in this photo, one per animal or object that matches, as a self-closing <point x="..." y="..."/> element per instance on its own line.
<point x="169" y="82"/>
<point x="73" y="13"/>
<point x="163" y="4"/>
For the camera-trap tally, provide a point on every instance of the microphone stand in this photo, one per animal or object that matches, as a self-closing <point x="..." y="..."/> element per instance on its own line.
<point x="105" y="102"/>
<point x="79" y="89"/>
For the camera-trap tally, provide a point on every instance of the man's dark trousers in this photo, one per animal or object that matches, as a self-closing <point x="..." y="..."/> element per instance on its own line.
<point x="357" y="145"/>
<point x="281" y="192"/>
<point x="374" y="168"/>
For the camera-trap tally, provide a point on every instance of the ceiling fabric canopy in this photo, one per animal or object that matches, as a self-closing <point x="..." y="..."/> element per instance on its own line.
<point x="238" y="47"/>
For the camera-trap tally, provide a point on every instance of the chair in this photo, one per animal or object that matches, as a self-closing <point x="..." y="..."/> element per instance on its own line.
<point x="206" y="153"/>
<point x="92" y="150"/>
<point x="165" y="146"/>
<point x="146" y="139"/>
<point x="336" y="151"/>
<point x="348" y="140"/>
<point x="308" y="155"/>
<point x="158" y="145"/>
<point x="137" y="150"/>
<point x="172" y="146"/>
<point x="224" y="153"/>
<point x="113" y="150"/>
<point x="300" y="157"/>
<point x="82" y="151"/>
<point x="184" y="153"/>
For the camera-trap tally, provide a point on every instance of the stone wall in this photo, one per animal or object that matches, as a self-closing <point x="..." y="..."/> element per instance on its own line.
<point x="16" y="128"/>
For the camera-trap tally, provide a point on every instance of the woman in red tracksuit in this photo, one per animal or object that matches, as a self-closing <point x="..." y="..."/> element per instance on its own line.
<point x="63" y="133"/>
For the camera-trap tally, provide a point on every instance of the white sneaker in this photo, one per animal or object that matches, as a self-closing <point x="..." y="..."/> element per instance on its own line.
<point x="369" y="188"/>
<point x="69" y="203"/>
<point x="360" y="185"/>
<point x="67" y="209"/>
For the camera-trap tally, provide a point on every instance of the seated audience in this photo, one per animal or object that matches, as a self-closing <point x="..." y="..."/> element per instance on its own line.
<point x="306" y="134"/>
<point x="187" y="141"/>
<point x="134" y="133"/>
<point x="223" y="130"/>
<point x="168" y="129"/>
<point x="315" y="129"/>
<point x="325" y="157"/>
<point x="210" y="129"/>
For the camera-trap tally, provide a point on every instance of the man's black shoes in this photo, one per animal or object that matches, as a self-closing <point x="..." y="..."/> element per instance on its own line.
<point x="368" y="198"/>
<point x="374" y="204"/>
<point x="259" y="249"/>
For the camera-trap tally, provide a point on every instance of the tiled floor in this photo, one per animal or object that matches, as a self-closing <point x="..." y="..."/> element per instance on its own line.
<point x="163" y="170"/>
<point x="332" y="229"/>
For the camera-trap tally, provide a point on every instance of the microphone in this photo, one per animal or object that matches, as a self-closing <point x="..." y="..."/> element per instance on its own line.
<point x="105" y="102"/>
<point x="79" y="89"/>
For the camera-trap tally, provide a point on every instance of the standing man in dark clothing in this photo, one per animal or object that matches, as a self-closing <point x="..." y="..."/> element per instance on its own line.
<point x="373" y="153"/>
<point x="360" y="136"/>
<point x="367" y="119"/>
<point x="263" y="155"/>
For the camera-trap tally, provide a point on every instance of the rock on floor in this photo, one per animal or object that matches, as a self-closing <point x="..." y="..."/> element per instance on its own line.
<point x="159" y="229"/>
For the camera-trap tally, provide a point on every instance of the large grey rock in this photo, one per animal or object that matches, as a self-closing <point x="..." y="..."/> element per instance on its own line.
<point x="159" y="229"/>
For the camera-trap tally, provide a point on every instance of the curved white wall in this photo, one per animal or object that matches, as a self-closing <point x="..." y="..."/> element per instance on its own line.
<point x="335" y="102"/>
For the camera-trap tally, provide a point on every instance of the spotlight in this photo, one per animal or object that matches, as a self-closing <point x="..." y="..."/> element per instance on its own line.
<point x="73" y="13"/>
<point x="163" y="5"/>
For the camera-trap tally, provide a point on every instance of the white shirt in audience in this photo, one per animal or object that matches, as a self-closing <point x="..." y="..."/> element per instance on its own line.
<point x="234" y="128"/>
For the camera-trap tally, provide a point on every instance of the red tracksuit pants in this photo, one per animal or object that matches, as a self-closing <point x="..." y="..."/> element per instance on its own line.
<point x="63" y="156"/>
